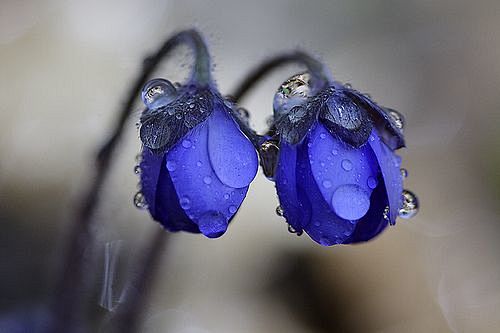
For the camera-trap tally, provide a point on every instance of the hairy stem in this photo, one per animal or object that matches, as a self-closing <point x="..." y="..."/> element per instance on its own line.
<point x="69" y="288"/>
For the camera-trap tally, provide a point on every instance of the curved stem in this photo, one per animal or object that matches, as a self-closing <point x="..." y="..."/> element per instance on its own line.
<point x="69" y="291"/>
<point x="320" y="75"/>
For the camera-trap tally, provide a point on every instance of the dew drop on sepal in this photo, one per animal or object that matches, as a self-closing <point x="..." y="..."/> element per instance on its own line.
<point x="157" y="93"/>
<point x="292" y="92"/>
<point x="409" y="205"/>
<point x="140" y="200"/>
<point x="397" y="118"/>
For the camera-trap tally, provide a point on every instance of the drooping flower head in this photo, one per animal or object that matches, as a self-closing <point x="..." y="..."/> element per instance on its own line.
<point x="337" y="175"/>
<point x="196" y="162"/>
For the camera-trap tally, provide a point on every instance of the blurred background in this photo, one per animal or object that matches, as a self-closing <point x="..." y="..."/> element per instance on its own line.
<point x="64" y="69"/>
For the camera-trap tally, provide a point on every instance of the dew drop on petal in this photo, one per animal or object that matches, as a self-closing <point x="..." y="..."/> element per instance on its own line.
<point x="404" y="172"/>
<point x="199" y="163"/>
<point x="409" y="206"/>
<point x="226" y="196"/>
<point x="137" y="169"/>
<point x="212" y="224"/>
<point x="207" y="180"/>
<point x="232" y="209"/>
<point x="140" y="200"/>
<point x="322" y="135"/>
<point x="171" y="165"/>
<point x="346" y="165"/>
<point x="185" y="203"/>
<point x="371" y="182"/>
<point x="186" y="143"/>
<point x="279" y="211"/>
<point x="350" y="202"/>
<point x="327" y="184"/>
<point x="335" y="152"/>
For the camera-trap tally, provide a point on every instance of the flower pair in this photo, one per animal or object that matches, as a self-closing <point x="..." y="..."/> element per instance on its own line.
<point x="330" y="151"/>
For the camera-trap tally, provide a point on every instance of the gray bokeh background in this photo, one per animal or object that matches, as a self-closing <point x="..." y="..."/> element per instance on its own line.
<point x="65" y="65"/>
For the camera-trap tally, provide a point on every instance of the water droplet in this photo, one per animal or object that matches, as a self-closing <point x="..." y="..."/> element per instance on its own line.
<point x="409" y="206"/>
<point x="317" y="224"/>
<point x="137" y="169"/>
<point x="138" y="158"/>
<point x="232" y="209"/>
<point x="185" y="203"/>
<point x="171" y="165"/>
<point x="186" y="143"/>
<point x="327" y="184"/>
<point x="191" y="106"/>
<point x="348" y="85"/>
<point x="212" y="224"/>
<point x="279" y="211"/>
<point x="346" y="165"/>
<point x="157" y="93"/>
<point x="371" y="182"/>
<point x="385" y="214"/>
<point x="350" y="202"/>
<point x="404" y="172"/>
<point x="226" y="196"/>
<point x="140" y="200"/>
<point x="293" y="231"/>
<point x="397" y="118"/>
<point x="207" y="180"/>
<point x="322" y="135"/>
<point x="292" y="92"/>
<point x="199" y="163"/>
<point x="335" y="152"/>
<point x="178" y="115"/>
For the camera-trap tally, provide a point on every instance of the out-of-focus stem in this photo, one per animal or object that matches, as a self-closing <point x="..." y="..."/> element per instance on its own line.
<point x="319" y="74"/>
<point x="69" y="288"/>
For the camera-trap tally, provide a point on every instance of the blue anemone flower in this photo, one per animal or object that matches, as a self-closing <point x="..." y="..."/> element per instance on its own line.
<point x="196" y="162"/>
<point x="337" y="175"/>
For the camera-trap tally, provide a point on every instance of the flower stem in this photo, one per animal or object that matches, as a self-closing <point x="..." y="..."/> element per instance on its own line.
<point x="319" y="73"/>
<point x="67" y="301"/>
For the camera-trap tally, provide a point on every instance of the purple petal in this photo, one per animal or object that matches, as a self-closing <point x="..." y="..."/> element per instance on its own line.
<point x="373" y="222"/>
<point x="345" y="176"/>
<point x="324" y="227"/>
<point x="297" y="212"/>
<point x="389" y="164"/>
<point x="206" y="200"/>
<point x="232" y="155"/>
<point x="168" y="209"/>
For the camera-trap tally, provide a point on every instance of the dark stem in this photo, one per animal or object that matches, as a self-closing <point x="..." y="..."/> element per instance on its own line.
<point x="129" y="314"/>
<point x="69" y="288"/>
<point x="320" y="76"/>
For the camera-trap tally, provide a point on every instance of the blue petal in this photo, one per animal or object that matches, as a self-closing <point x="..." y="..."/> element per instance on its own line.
<point x="373" y="222"/>
<point x="205" y="199"/>
<point x="150" y="170"/>
<point x="232" y="155"/>
<point x="168" y="209"/>
<point x="324" y="226"/>
<point x="297" y="212"/>
<point x="345" y="176"/>
<point x="389" y="164"/>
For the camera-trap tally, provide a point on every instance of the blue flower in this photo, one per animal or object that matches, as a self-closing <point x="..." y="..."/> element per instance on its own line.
<point x="337" y="176"/>
<point x="196" y="162"/>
